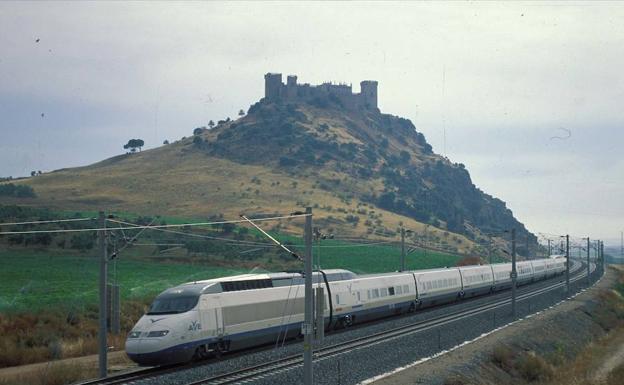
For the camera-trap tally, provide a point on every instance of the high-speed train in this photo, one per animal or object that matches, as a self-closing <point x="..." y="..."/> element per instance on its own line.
<point x="204" y="318"/>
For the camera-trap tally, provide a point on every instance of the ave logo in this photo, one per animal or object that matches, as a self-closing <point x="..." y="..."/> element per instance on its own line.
<point x="195" y="325"/>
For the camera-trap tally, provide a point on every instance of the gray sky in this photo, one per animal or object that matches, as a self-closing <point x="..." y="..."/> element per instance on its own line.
<point x="528" y="95"/>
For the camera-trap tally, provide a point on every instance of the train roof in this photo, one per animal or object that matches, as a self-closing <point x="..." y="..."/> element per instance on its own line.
<point x="253" y="281"/>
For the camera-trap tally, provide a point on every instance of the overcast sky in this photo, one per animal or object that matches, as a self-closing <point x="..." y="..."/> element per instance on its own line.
<point x="528" y="95"/>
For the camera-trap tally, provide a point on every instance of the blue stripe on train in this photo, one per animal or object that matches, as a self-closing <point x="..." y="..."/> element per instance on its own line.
<point x="171" y="351"/>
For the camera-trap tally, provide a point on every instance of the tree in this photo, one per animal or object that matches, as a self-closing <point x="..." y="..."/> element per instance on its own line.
<point x="133" y="144"/>
<point x="33" y="173"/>
<point x="241" y="113"/>
<point x="197" y="140"/>
<point x="198" y="130"/>
<point x="166" y="141"/>
<point x="82" y="241"/>
<point x="211" y="124"/>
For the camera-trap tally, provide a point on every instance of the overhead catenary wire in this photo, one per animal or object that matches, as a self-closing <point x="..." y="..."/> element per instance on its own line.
<point x="155" y="226"/>
<point x="252" y="243"/>
<point x="129" y="242"/>
<point x="158" y="244"/>
<point x="47" y="221"/>
<point x="228" y="240"/>
<point x="271" y="238"/>
<point x="364" y="244"/>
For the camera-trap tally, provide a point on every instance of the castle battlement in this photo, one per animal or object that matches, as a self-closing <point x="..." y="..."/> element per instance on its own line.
<point x="275" y="90"/>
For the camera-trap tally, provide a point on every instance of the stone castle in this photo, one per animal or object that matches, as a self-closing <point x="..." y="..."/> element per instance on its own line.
<point x="275" y="90"/>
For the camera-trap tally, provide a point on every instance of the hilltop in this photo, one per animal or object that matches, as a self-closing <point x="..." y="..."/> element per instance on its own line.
<point x="363" y="172"/>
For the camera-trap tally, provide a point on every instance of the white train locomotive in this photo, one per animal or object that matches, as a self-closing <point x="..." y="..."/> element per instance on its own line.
<point x="198" y="319"/>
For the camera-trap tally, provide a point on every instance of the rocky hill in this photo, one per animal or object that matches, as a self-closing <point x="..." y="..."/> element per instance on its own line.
<point x="362" y="170"/>
<point x="379" y="158"/>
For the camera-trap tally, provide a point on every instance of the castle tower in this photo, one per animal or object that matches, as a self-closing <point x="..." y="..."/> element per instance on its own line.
<point x="291" y="87"/>
<point x="369" y="93"/>
<point x="272" y="86"/>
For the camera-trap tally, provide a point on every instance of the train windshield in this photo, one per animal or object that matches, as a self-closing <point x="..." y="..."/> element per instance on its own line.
<point x="173" y="304"/>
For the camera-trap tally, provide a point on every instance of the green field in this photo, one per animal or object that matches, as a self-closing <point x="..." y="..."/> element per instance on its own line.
<point x="377" y="259"/>
<point x="35" y="279"/>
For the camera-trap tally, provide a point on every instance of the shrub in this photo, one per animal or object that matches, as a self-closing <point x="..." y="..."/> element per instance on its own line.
<point x="616" y="377"/>
<point x="352" y="218"/>
<point x="18" y="191"/>
<point x="503" y="357"/>
<point x="82" y="241"/>
<point x="534" y="368"/>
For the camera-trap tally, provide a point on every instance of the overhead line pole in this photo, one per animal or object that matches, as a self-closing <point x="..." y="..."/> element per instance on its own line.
<point x="549" y="249"/>
<point x="588" y="246"/>
<point x="514" y="273"/>
<point x="102" y="311"/>
<point x="402" y="249"/>
<point x="567" y="264"/>
<point x="309" y="302"/>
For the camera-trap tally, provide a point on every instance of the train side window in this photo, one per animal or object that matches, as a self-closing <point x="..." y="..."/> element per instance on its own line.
<point x="405" y="289"/>
<point x="358" y="296"/>
<point x="375" y="293"/>
<point x="368" y="294"/>
<point x="337" y="299"/>
<point x="384" y="292"/>
<point x="398" y="290"/>
<point x="391" y="290"/>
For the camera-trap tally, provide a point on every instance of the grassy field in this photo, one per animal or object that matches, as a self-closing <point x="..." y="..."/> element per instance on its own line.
<point x="37" y="279"/>
<point x="34" y="279"/>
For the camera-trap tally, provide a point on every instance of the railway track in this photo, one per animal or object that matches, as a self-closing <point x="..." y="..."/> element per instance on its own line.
<point x="294" y="361"/>
<point x="135" y="375"/>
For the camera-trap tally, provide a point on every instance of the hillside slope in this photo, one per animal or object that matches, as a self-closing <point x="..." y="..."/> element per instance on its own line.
<point x="363" y="172"/>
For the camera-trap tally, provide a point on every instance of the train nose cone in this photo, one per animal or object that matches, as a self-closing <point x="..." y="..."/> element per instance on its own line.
<point x="150" y="348"/>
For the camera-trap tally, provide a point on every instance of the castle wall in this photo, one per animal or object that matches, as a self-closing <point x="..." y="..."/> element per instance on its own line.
<point x="275" y="90"/>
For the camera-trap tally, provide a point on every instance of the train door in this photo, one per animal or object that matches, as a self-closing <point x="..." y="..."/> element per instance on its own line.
<point x="212" y="317"/>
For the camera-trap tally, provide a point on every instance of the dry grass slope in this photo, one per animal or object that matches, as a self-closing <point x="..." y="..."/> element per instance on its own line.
<point x="179" y="181"/>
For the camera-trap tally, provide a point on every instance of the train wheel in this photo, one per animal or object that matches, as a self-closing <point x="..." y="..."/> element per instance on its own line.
<point x="201" y="353"/>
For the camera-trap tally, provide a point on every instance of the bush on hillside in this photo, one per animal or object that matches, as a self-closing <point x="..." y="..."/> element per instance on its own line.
<point x="17" y="191"/>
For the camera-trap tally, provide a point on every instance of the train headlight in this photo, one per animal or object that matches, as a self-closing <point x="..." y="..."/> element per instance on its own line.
<point x="134" y="335"/>
<point x="158" y="333"/>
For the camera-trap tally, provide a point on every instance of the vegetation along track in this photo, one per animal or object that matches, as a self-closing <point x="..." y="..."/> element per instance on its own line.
<point x="293" y="361"/>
